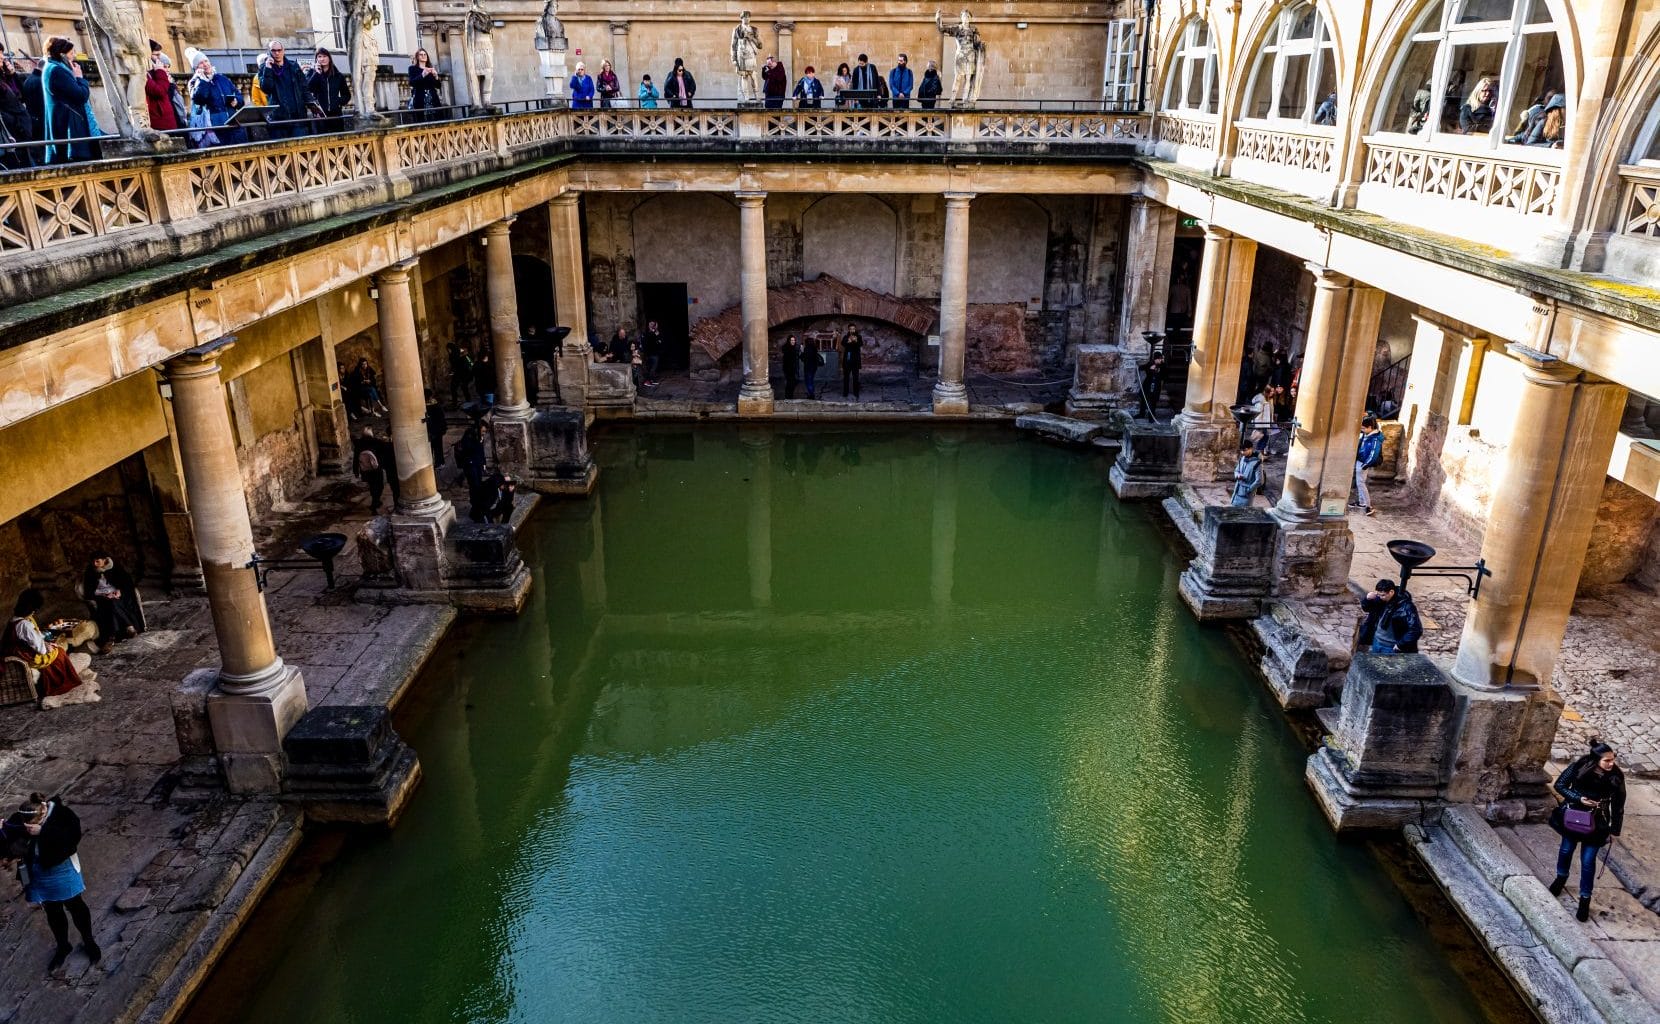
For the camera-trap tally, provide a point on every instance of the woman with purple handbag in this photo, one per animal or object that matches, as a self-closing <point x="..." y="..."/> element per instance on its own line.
<point x="1592" y="811"/>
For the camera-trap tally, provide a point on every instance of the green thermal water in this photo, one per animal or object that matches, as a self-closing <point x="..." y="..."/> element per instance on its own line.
<point x="851" y="726"/>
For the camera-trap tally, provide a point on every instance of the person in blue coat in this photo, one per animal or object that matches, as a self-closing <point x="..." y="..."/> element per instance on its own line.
<point x="809" y="92"/>
<point x="900" y="82"/>
<point x="1367" y="455"/>
<point x="1392" y="624"/>
<point x="582" y="88"/>
<point x="213" y="99"/>
<point x="64" y="95"/>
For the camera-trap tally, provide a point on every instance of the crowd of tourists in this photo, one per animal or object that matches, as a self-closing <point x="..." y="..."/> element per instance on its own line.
<point x="862" y="85"/>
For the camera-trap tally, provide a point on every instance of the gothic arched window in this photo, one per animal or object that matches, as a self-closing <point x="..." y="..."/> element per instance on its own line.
<point x="1295" y="76"/>
<point x="1192" y="85"/>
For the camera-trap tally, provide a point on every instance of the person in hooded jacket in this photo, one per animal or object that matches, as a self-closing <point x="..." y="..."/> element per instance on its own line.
<point x="329" y="91"/>
<point x="1592" y="785"/>
<point x="928" y="92"/>
<point x="1247" y="475"/>
<point x="68" y="115"/>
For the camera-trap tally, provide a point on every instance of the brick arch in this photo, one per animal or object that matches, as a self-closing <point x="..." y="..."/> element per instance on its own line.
<point x="824" y="296"/>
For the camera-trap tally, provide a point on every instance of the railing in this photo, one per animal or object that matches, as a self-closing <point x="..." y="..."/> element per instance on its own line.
<point x="1516" y="183"/>
<point x="1304" y="148"/>
<point x="42" y="208"/>
<point x="1640" y="207"/>
<point x="1185" y="129"/>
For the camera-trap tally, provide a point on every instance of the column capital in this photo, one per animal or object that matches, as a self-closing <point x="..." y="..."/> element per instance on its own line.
<point x="1325" y="277"/>
<point x="750" y="198"/>
<point x="1542" y="366"/>
<point x="958" y="198"/>
<point x="397" y="273"/>
<point x="500" y="228"/>
<point x="1216" y="234"/>
<point x="569" y="198"/>
<point x="619" y="28"/>
<point x="201" y="361"/>
<point x="783" y="26"/>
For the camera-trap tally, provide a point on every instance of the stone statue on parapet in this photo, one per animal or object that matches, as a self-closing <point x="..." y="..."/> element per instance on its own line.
<point x="361" y="18"/>
<point x="550" y="31"/>
<point x="116" y="28"/>
<point x="480" y="53"/>
<point x="746" y="59"/>
<point x="968" y="70"/>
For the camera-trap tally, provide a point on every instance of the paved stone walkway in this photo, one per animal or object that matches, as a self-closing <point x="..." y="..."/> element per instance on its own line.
<point x="170" y="871"/>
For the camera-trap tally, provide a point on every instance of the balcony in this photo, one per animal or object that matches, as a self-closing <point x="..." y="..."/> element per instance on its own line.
<point x="1295" y="157"/>
<point x="1185" y="138"/>
<point x="1496" y="196"/>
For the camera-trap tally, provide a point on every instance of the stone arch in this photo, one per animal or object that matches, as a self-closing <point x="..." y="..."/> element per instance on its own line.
<point x="1255" y="36"/>
<point x="717" y="340"/>
<point x="1008" y="246"/>
<point x="689" y="238"/>
<point x="1173" y="42"/>
<point x="1630" y="119"/>
<point x="854" y="238"/>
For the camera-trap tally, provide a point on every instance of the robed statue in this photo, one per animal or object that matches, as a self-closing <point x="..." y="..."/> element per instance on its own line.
<point x="550" y="31"/>
<point x="479" y="53"/>
<point x="746" y="59"/>
<point x="968" y="70"/>
<point x="122" y="50"/>
<point x="361" y="19"/>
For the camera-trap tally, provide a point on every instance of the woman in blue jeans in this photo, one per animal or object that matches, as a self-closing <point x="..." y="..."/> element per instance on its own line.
<point x="1594" y="786"/>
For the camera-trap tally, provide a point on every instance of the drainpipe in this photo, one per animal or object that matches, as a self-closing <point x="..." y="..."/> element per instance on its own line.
<point x="1146" y="38"/>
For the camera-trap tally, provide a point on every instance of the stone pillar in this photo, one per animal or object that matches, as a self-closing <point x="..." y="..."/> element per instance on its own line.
<point x="510" y="418"/>
<point x="1427" y="403"/>
<point x="1232" y="573"/>
<point x="619" y="59"/>
<point x="569" y="297"/>
<point x="1469" y="378"/>
<point x="1319" y="471"/>
<point x="755" y="396"/>
<point x="1149" y="243"/>
<point x="1208" y="430"/>
<point x="950" y="395"/>
<point x="786" y="48"/>
<point x="255" y="698"/>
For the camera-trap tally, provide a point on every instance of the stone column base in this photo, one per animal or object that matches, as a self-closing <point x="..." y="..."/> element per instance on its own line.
<point x="1097" y="385"/>
<point x="1499" y="759"/>
<point x="418" y="547"/>
<point x="248" y="728"/>
<point x="573" y="378"/>
<point x="1297" y="667"/>
<point x="1314" y="556"/>
<point x="347" y="764"/>
<point x="754" y="400"/>
<point x="1148" y="463"/>
<point x="1234" y="569"/>
<point x="479" y="567"/>
<point x="560" y="460"/>
<point x="950" y="398"/>
<point x="1209" y="450"/>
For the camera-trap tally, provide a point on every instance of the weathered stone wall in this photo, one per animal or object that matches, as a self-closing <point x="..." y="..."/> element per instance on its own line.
<point x="277" y="460"/>
<point x="1620" y="538"/>
<point x="1282" y="290"/>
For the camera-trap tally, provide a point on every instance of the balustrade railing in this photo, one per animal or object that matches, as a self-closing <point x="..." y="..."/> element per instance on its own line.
<point x="1305" y="148"/>
<point x="1640" y="206"/>
<point x="1518" y="183"/>
<point x="1198" y="130"/>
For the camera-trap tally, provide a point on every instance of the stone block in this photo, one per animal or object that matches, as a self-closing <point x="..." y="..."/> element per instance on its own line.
<point x="485" y="572"/>
<point x="347" y="764"/>
<point x="1549" y="920"/>
<point x="418" y="549"/>
<point x="1061" y="428"/>
<point x="1607" y="987"/>
<point x="560" y="460"/>
<point x="1486" y="850"/>
<point x="1208" y="450"/>
<point x="610" y="386"/>
<point x="190" y="716"/>
<point x="573" y="378"/>
<point x="374" y="552"/>
<point x="1297" y="666"/>
<point x="512" y="444"/>
<point x="1148" y="463"/>
<point x="1398" y="714"/>
<point x="1314" y="557"/>
<point x="337" y="735"/>
<point x="1394" y="445"/>
<point x="248" y="729"/>
<point x="1503" y="742"/>
<point x="1098" y="383"/>
<point x="1234" y="568"/>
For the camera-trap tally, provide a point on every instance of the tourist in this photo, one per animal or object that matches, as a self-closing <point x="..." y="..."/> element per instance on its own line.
<point x="161" y="97"/>
<point x="619" y="349"/>
<point x="1247" y="474"/>
<point x="809" y="92"/>
<point x="370" y="470"/>
<point x="330" y="91"/>
<point x="493" y="503"/>
<point x="45" y="835"/>
<point x="364" y="385"/>
<point x="811" y="359"/>
<point x="864" y="78"/>
<point x="852" y="349"/>
<point x="842" y="82"/>
<point x="681" y="86"/>
<point x="1367" y="455"/>
<point x="791" y="358"/>
<point x="213" y="99"/>
<point x="900" y="82"/>
<point x="1326" y="112"/>
<point x="1152" y="382"/>
<point x="648" y="94"/>
<point x="484" y="377"/>
<point x="1531" y="117"/>
<point x="34" y="98"/>
<point x="928" y="93"/>
<point x="436" y="424"/>
<point x="582" y="88"/>
<point x="1261" y="362"/>
<point x="775" y="82"/>
<point x="114" y="599"/>
<point x="1548" y="132"/>
<point x="1392" y="625"/>
<point x="607" y="84"/>
<point x="1591" y="813"/>
<point x="68" y="115"/>
<point x="284" y="86"/>
<point x="469" y="455"/>
<point x="46" y="652"/>
<point x="461" y="372"/>
<point x="424" y="86"/>
<point x="636" y="366"/>
<point x="1475" y="117"/>
<point x="16" y="123"/>
<point x="651" y="344"/>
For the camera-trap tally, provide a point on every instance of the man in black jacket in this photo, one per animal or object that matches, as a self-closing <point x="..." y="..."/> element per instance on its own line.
<point x="1392" y="625"/>
<point x="284" y="85"/>
<point x="114" y="599"/>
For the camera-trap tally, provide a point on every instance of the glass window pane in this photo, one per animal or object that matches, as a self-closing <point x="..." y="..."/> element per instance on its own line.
<point x="1471" y="98"/>
<point x="1260" y="99"/>
<point x="1538" y="78"/>
<point x="1193" y="74"/>
<point x="1325" y="92"/>
<point x="1411" y="106"/>
<point x="1431" y="20"/>
<point x="1475" y="11"/>
<point x="1212" y="97"/>
<point x="1540" y="15"/>
<point x="1293" y="101"/>
<point x="1201" y="33"/>
<point x="1302" y="22"/>
<point x="1653" y="151"/>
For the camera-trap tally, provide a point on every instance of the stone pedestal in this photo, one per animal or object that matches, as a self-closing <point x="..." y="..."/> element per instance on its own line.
<point x="249" y="724"/>
<point x="563" y="464"/>
<point x="1386" y="759"/>
<point x="1097" y="382"/>
<point x="418" y="547"/>
<point x="486" y="573"/>
<point x="1234" y="569"/>
<point x="610" y="387"/>
<point x="1314" y="556"/>
<point x="1148" y="463"/>
<point x="511" y="442"/>
<point x="1503" y="743"/>
<point x="1297" y="667"/>
<point x="347" y="764"/>
<point x="573" y="377"/>
<point x="1209" y="448"/>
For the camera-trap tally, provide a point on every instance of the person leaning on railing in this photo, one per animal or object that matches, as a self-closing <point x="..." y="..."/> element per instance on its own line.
<point x="809" y="91"/>
<point x="16" y="123"/>
<point x="213" y="99"/>
<point x="329" y="91"/>
<point x="284" y="84"/>
<point x="64" y="95"/>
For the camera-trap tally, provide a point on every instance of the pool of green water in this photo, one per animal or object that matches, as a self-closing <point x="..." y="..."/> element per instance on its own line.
<point x="889" y="726"/>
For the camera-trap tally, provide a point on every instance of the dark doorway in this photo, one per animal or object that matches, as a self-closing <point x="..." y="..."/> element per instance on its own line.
<point x="533" y="287"/>
<point x="666" y="304"/>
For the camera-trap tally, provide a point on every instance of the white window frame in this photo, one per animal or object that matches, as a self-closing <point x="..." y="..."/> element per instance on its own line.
<point x="1274" y="56"/>
<point x="1190" y="52"/>
<point x="1119" y="86"/>
<point x="1448" y="36"/>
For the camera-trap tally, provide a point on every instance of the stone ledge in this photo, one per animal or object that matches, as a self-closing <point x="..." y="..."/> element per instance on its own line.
<point x="1487" y="852"/>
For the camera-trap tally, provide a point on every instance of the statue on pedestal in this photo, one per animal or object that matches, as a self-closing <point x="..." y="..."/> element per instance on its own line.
<point x="361" y="19"/>
<point x="116" y="30"/>
<point x="970" y="66"/>
<point x="551" y="45"/>
<point x="746" y="59"/>
<point x="480" y="50"/>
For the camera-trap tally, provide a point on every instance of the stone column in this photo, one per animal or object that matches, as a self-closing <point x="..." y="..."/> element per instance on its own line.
<point x="254" y="698"/>
<point x="619" y="59"/>
<point x="569" y="296"/>
<point x="950" y="395"/>
<point x="1469" y="378"/>
<point x="755" y="396"/>
<point x="786" y="48"/>
<point x="1317" y="547"/>
<point x="510" y="418"/>
<point x="1223" y="301"/>
<point x="1150" y="241"/>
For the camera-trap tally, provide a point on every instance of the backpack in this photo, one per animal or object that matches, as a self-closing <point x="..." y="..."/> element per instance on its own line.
<point x="366" y="461"/>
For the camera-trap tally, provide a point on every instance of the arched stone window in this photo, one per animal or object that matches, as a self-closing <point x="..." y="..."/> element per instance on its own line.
<point x="1647" y="151"/>
<point x="1476" y="69"/>
<point x="1192" y="84"/>
<point x="1295" y="76"/>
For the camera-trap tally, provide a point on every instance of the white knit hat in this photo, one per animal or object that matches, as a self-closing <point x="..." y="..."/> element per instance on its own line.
<point x="194" y="56"/>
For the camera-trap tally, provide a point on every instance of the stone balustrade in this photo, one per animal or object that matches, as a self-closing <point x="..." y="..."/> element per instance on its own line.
<point x="1640" y="207"/>
<point x="1479" y="193"/>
